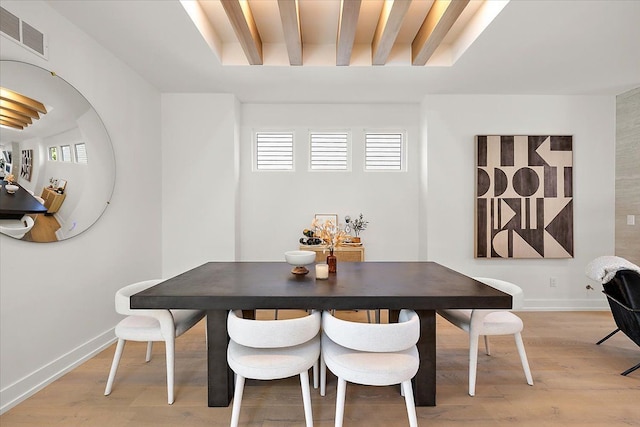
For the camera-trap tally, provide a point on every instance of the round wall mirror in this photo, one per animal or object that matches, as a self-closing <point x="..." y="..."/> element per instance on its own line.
<point x="57" y="166"/>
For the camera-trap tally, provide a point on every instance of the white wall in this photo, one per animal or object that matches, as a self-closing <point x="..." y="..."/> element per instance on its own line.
<point x="451" y="122"/>
<point x="276" y="206"/>
<point x="199" y="180"/>
<point x="56" y="299"/>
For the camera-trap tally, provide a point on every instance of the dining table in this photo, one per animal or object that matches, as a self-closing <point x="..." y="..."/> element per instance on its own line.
<point x="218" y="287"/>
<point x="16" y="205"/>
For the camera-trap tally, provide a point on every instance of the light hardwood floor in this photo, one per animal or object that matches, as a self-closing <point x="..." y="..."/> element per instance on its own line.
<point x="576" y="384"/>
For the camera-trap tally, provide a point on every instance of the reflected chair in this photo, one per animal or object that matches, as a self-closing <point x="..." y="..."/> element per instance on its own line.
<point x="149" y="325"/>
<point x="272" y="349"/>
<point x="16" y="228"/>
<point x="623" y="294"/>
<point x="370" y="354"/>
<point x="490" y="322"/>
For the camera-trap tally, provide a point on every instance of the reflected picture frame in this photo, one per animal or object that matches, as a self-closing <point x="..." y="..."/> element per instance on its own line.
<point x="321" y="218"/>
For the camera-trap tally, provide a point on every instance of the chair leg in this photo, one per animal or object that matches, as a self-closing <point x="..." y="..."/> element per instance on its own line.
<point x="170" y="347"/>
<point x="411" y="405"/>
<point x="608" y="336"/>
<point x="316" y="375"/>
<point x="323" y="376"/>
<point x="114" y="366"/>
<point x="523" y="358"/>
<point x="237" y="401"/>
<point x="628" y="371"/>
<point x="473" y="363"/>
<point x="306" y="397"/>
<point x="486" y="345"/>
<point x="340" y="397"/>
<point x="149" y="349"/>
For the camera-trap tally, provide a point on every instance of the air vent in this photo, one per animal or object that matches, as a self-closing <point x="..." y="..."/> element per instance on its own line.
<point x="23" y="33"/>
<point x="9" y="24"/>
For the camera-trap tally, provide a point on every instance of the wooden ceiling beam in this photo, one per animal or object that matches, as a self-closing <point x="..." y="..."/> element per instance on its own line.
<point x="241" y="19"/>
<point x="11" y="125"/>
<point x="290" y="17"/>
<point x="18" y="108"/>
<point x="441" y="17"/>
<point x="12" y="120"/>
<point x="31" y="103"/>
<point x="16" y="116"/>
<point x="387" y="30"/>
<point x="349" y="12"/>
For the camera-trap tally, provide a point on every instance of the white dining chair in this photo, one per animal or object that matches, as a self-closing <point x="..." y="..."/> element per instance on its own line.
<point x="16" y="228"/>
<point x="273" y="349"/>
<point x="370" y="354"/>
<point x="149" y="325"/>
<point x="490" y="322"/>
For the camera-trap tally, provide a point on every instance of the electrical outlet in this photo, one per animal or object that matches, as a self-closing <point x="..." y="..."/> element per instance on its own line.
<point x="631" y="220"/>
<point x="552" y="282"/>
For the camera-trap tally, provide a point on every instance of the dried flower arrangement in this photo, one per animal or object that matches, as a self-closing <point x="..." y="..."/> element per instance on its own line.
<point x="330" y="233"/>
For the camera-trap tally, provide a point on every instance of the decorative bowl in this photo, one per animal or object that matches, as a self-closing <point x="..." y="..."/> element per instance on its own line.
<point x="11" y="188"/>
<point x="299" y="259"/>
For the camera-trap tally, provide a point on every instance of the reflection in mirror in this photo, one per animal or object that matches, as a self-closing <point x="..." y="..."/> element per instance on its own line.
<point x="56" y="151"/>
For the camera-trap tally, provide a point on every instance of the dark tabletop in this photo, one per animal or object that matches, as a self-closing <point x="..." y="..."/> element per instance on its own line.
<point x="19" y="203"/>
<point x="362" y="285"/>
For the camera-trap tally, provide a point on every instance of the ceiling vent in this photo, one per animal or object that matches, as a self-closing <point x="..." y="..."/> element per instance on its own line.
<point x="22" y="33"/>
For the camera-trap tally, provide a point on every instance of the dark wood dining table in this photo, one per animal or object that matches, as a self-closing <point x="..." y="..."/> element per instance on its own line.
<point x="16" y="205"/>
<point x="218" y="287"/>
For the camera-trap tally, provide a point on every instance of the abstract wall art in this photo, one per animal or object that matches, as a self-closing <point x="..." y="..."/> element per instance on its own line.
<point x="524" y="196"/>
<point x="27" y="164"/>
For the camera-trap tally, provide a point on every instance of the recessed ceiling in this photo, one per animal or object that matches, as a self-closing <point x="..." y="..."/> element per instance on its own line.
<point x="574" y="47"/>
<point x="341" y="32"/>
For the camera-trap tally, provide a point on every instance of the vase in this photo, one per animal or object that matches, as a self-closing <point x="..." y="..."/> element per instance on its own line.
<point x="332" y="261"/>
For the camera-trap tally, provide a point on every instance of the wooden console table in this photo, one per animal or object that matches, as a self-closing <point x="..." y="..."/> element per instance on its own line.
<point x="343" y="253"/>
<point x="52" y="200"/>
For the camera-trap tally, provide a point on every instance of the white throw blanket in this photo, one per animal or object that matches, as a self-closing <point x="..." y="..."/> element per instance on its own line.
<point x="604" y="268"/>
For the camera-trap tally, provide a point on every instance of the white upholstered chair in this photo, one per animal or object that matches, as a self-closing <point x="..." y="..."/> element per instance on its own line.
<point x="490" y="322"/>
<point x="16" y="228"/>
<point x="273" y="349"/>
<point x="371" y="354"/>
<point x="148" y="325"/>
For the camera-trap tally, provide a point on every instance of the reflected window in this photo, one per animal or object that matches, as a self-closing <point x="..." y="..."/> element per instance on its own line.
<point x="81" y="153"/>
<point x="65" y="153"/>
<point x="53" y="154"/>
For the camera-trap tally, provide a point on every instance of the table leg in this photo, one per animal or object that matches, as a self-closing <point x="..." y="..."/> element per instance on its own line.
<point x="219" y="375"/>
<point x="424" y="383"/>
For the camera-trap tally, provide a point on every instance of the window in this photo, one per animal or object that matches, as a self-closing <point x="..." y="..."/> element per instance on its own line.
<point x="329" y="151"/>
<point x="65" y="153"/>
<point x="81" y="153"/>
<point x="274" y="151"/>
<point x="384" y="151"/>
<point x="53" y="153"/>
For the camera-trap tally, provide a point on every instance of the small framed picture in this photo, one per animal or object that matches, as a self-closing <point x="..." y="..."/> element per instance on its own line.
<point x="321" y="218"/>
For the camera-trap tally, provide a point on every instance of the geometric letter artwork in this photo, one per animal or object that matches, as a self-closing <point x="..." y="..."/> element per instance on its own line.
<point x="524" y="196"/>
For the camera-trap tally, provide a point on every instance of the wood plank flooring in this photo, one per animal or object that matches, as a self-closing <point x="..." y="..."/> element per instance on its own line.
<point x="576" y="384"/>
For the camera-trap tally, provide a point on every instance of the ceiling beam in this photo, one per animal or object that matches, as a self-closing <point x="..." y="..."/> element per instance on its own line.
<point x="241" y="19"/>
<point x="436" y="25"/>
<point x="11" y="125"/>
<point x="15" y="116"/>
<point x="349" y="12"/>
<point x="18" y="108"/>
<point x="290" y="17"/>
<point x="389" y="24"/>
<point x="10" y="95"/>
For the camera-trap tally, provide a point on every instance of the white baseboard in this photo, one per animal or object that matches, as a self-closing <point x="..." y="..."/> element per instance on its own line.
<point x="25" y="387"/>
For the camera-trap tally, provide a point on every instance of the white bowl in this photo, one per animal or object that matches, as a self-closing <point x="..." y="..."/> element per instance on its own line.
<point x="11" y="188"/>
<point x="300" y="258"/>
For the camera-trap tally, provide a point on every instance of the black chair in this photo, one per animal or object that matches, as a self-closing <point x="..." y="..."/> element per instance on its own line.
<point x="623" y="294"/>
